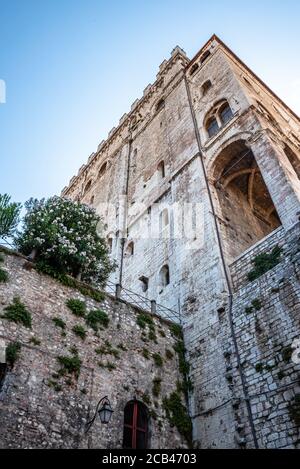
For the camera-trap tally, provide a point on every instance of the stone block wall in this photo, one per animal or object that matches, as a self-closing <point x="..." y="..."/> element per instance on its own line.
<point x="266" y="317"/>
<point x="39" y="408"/>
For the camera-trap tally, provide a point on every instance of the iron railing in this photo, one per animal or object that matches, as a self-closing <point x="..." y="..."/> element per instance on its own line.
<point x="142" y="302"/>
<point x="135" y="299"/>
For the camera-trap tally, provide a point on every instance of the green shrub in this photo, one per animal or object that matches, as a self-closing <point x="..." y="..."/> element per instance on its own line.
<point x="107" y="349"/>
<point x="3" y="276"/>
<point x="110" y="366"/>
<point x="144" y="319"/>
<point x="257" y="304"/>
<point x="157" y="359"/>
<point x="53" y="384"/>
<point x="12" y="353"/>
<point x="96" y="318"/>
<point x="17" y="312"/>
<point x="152" y="336"/>
<point x="145" y="353"/>
<point x="77" y="307"/>
<point x="80" y="331"/>
<point x="34" y="341"/>
<point x="169" y="354"/>
<point x="176" y="330"/>
<point x="156" y="387"/>
<point x="70" y="365"/>
<point x="146" y="399"/>
<point x="259" y="367"/>
<point x="59" y="322"/>
<point x="122" y="347"/>
<point x="265" y="262"/>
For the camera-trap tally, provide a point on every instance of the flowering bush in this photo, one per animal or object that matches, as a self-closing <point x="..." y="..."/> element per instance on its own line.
<point x="65" y="236"/>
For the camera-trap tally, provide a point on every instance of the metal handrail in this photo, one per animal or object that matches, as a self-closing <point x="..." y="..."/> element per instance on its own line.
<point x="137" y="300"/>
<point x="142" y="302"/>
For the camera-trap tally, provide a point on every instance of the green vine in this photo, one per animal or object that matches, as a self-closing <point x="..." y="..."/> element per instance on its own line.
<point x="177" y="415"/>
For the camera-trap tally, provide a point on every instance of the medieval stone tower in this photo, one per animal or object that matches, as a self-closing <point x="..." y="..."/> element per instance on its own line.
<point x="199" y="186"/>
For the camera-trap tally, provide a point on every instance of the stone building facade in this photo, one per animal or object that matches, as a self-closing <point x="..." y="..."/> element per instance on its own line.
<point x="199" y="188"/>
<point x="40" y="407"/>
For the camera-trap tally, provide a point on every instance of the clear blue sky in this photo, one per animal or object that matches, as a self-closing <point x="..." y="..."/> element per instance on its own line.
<point x="73" y="67"/>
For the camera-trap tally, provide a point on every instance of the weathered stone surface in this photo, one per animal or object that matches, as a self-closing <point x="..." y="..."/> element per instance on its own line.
<point x="244" y="180"/>
<point x="35" y="412"/>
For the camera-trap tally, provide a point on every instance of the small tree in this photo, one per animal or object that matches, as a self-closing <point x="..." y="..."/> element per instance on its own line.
<point x="9" y="216"/>
<point x="65" y="237"/>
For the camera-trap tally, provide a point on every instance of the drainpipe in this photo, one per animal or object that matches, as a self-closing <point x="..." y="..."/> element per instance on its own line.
<point x="224" y="266"/>
<point x="124" y="236"/>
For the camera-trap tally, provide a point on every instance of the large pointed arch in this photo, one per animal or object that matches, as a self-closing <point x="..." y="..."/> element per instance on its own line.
<point x="245" y="208"/>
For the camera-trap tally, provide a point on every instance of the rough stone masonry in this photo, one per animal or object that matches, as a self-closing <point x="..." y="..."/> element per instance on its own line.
<point x="208" y="136"/>
<point x="209" y="156"/>
<point x="42" y="408"/>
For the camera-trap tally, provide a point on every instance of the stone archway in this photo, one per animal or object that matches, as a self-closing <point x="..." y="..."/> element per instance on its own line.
<point x="245" y="208"/>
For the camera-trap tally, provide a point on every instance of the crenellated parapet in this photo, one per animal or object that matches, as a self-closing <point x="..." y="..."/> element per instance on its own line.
<point x="142" y="110"/>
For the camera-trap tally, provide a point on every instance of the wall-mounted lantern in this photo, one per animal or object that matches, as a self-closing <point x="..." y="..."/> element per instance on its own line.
<point x="105" y="412"/>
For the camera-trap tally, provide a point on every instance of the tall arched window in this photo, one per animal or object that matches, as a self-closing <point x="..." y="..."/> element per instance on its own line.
<point x="161" y="169"/>
<point x="110" y="244"/>
<point x="204" y="57"/>
<point x="225" y="113"/>
<point x="205" y="87"/>
<point x="135" y="434"/>
<point x="164" y="276"/>
<point x="87" y="187"/>
<point x="212" y="126"/>
<point x="164" y="219"/>
<point x="102" y="170"/>
<point x="160" y="105"/>
<point x="130" y="249"/>
<point x="217" y="117"/>
<point x="194" y="69"/>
